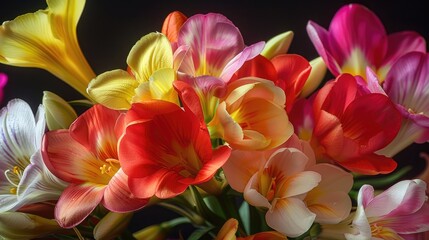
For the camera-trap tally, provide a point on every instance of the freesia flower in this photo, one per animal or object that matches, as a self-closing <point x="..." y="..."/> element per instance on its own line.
<point x="251" y="116"/>
<point x="164" y="149"/>
<point x="356" y="39"/>
<point x="86" y="157"/>
<point x="118" y="89"/>
<point x="59" y="114"/>
<point x="397" y="213"/>
<point x="343" y="132"/>
<point x="210" y="45"/>
<point x="47" y="39"/>
<point x="327" y="201"/>
<point x="25" y="178"/>
<point x="172" y="24"/>
<point x="407" y="85"/>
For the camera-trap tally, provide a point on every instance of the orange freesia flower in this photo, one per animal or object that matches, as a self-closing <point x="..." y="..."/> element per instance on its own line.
<point x="351" y="124"/>
<point x="252" y="115"/>
<point x="172" y="24"/>
<point x="86" y="157"/>
<point x="164" y="149"/>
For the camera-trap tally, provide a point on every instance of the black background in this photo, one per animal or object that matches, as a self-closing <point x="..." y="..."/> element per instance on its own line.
<point x="108" y="29"/>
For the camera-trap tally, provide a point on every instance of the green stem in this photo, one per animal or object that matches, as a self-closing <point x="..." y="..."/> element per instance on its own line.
<point x="380" y="182"/>
<point x="231" y="211"/>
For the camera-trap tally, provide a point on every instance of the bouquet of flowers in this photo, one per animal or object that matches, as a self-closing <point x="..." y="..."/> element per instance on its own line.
<point x="238" y="141"/>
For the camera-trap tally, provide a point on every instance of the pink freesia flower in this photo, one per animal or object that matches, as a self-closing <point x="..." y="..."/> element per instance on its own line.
<point x="350" y="124"/>
<point x="174" y="153"/>
<point x="397" y="213"/>
<point x="86" y="156"/>
<point x="211" y="45"/>
<point x="357" y="39"/>
<point x="407" y="85"/>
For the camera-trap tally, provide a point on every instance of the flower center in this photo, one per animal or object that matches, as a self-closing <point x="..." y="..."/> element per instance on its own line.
<point x="13" y="176"/>
<point x="110" y="168"/>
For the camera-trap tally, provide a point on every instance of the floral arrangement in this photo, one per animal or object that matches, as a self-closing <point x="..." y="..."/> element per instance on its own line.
<point x="239" y="141"/>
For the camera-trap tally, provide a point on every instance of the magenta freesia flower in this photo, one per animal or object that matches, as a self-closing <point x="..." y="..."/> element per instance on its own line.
<point x="86" y="157"/>
<point x="357" y="39"/>
<point x="397" y="213"/>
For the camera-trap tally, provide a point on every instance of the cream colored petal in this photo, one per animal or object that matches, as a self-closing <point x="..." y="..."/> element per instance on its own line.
<point x="317" y="74"/>
<point x="114" y="89"/>
<point x="277" y="45"/>
<point x="151" y="53"/>
<point x="159" y="86"/>
<point x="112" y="225"/>
<point x="16" y="225"/>
<point x="47" y="39"/>
<point x="59" y="114"/>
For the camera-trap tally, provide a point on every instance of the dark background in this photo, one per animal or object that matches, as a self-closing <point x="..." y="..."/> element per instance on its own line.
<point x="108" y="29"/>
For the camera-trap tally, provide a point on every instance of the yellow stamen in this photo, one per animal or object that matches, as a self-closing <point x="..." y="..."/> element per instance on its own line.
<point x="13" y="190"/>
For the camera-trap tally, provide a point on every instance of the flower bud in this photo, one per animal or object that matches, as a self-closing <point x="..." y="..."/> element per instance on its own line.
<point x="112" y="225"/>
<point x="277" y="45"/>
<point x="59" y="114"/>
<point x="317" y="74"/>
<point x="17" y="225"/>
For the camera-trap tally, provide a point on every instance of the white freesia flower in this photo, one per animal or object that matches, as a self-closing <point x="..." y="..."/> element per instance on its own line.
<point x="24" y="178"/>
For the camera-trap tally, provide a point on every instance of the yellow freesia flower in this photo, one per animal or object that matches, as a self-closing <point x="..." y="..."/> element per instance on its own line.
<point x="47" y="39"/>
<point x="150" y="76"/>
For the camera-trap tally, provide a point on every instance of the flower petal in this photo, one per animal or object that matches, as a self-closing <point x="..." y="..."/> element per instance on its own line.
<point x="113" y="89"/>
<point x="118" y="197"/>
<point x="76" y="203"/>
<point x="277" y="45"/>
<point x="290" y="216"/>
<point x="152" y="52"/>
<point x="172" y="24"/>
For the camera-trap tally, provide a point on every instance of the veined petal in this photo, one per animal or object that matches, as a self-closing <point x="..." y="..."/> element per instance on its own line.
<point x="259" y="67"/>
<point x="152" y="52"/>
<point x="47" y="39"/>
<point x="369" y="36"/>
<point x="405" y="197"/>
<point x="399" y="44"/>
<point x="76" y="203"/>
<point x="59" y="114"/>
<point x="17" y="225"/>
<point x="321" y="41"/>
<point x="232" y="66"/>
<point x="277" y="45"/>
<point x="159" y="86"/>
<point x="407" y="83"/>
<point x="417" y="222"/>
<point x="118" y="197"/>
<point x="290" y="216"/>
<point x="66" y="158"/>
<point x="113" y="89"/>
<point x="214" y="41"/>
<point x="94" y="129"/>
<point x="17" y="135"/>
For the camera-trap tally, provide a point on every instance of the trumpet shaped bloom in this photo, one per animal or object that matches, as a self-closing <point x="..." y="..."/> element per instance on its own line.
<point x="407" y="85"/>
<point x="251" y="116"/>
<point x="397" y="213"/>
<point x="350" y="124"/>
<point x="17" y="225"/>
<point x="24" y="178"/>
<point x="150" y="76"/>
<point x="326" y="202"/>
<point x="356" y="39"/>
<point x="164" y="149"/>
<point x="47" y="39"/>
<point x="211" y="45"/>
<point x="86" y="157"/>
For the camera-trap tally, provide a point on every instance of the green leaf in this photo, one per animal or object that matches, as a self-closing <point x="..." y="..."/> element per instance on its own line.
<point x="199" y="233"/>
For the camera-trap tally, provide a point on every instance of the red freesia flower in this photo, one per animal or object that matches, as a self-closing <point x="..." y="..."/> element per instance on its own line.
<point x="86" y="157"/>
<point x="164" y="149"/>
<point x="351" y="124"/>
